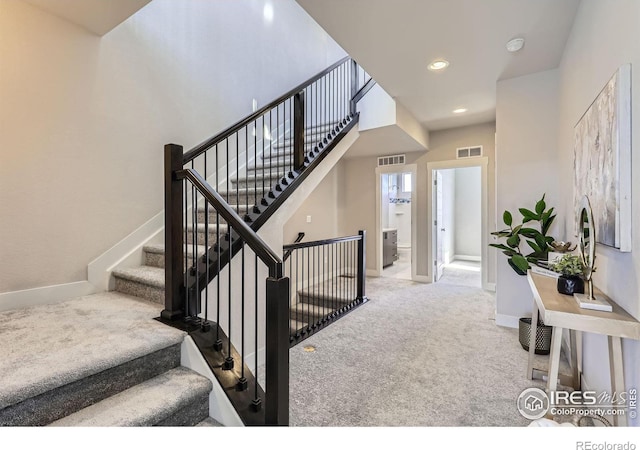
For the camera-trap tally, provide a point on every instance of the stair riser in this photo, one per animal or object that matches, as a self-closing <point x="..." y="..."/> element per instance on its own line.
<point x="151" y="293"/>
<point x="213" y="215"/>
<point x="201" y="238"/>
<point x="268" y="181"/>
<point x="252" y="197"/>
<point x="308" y="314"/>
<point x="191" y="414"/>
<point x="60" y="402"/>
<point x="157" y="260"/>
<point x="325" y="301"/>
<point x="270" y="169"/>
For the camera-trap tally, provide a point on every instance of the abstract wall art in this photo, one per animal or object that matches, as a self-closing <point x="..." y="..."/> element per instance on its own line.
<point x="602" y="161"/>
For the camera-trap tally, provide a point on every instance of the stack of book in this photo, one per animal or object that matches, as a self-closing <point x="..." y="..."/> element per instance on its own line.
<point x="544" y="271"/>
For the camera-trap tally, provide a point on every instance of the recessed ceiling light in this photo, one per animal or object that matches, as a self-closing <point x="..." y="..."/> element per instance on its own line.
<point x="515" y="44"/>
<point x="438" y="64"/>
<point x="459" y="110"/>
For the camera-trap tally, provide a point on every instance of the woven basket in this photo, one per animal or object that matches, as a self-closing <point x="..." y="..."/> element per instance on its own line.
<point x="543" y="336"/>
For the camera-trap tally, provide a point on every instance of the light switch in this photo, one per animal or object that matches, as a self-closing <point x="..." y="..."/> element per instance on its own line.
<point x="308" y="219"/>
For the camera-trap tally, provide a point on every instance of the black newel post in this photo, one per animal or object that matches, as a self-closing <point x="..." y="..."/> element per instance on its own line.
<point x="173" y="208"/>
<point x="277" y="354"/>
<point x="362" y="264"/>
<point x="298" y="131"/>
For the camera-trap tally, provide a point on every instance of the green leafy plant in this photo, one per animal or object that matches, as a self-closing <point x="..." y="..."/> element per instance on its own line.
<point x="535" y="237"/>
<point x="568" y="265"/>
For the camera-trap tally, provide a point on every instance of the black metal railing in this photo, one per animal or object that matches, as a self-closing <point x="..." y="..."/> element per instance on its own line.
<point x="327" y="280"/>
<point x="217" y="196"/>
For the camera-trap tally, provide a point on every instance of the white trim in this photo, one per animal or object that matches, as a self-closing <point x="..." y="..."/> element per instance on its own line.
<point x="126" y="253"/>
<point x="421" y="278"/>
<point x="372" y="273"/>
<point x="491" y="287"/>
<point x="399" y="168"/>
<point x="467" y="258"/>
<point x="483" y="163"/>
<point x="220" y="407"/>
<point x="507" y="321"/>
<point x="45" y="295"/>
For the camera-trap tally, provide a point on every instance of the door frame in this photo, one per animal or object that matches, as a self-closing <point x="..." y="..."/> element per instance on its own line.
<point x="483" y="163"/>
<point x="399" y="168"/>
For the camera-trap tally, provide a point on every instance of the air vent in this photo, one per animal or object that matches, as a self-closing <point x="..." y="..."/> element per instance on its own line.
<point x="390" y="160"/>
<point x="469" y="152"/>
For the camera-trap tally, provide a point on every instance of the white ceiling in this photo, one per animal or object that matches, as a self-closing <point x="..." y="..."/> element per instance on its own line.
<point x="394" y="40"/>
<point x="97" y="16"/>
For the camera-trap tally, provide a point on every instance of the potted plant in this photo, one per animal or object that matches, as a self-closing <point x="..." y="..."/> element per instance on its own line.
<point x="538" y="241"/>
<point x="571" y="272"/>
<point x="535" y="238"/>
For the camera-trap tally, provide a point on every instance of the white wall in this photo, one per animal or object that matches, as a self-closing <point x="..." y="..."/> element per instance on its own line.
<point x="443" y="144"/>
<point x="605" y="35"/>
<point x="526" y="149"/>
<point x="322" y="206"/>
<point x="468" y="212"/>
<point x="84" y="119"/>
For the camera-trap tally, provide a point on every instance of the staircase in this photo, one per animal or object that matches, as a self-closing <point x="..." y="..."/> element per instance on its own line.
<point x="110" y="360"/>
<point x="99" y="360"/>
<point x="245" y="194"/>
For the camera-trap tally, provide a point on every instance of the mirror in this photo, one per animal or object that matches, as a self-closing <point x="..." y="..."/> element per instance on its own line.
<point x="587" y="242"/>
<point x="587" y="236"/>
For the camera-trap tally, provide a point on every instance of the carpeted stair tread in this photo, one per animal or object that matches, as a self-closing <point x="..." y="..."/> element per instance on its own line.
<point x="146" y="404"/>
<point x="158" y="249"/>
<point x="147" y="275"/>
<point x="49" y="346"/>
<point x="281" y="161"/>
<point x="274" y="173"/>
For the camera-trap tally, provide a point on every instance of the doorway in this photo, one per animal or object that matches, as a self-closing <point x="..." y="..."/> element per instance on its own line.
<point x="459" y="222"/>
<point x="396" y="214"/>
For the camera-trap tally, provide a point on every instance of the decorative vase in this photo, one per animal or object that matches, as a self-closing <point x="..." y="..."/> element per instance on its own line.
<point x="570" y="284"/>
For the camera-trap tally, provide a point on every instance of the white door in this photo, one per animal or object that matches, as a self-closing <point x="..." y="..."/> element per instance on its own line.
<point x="438" y="226"/>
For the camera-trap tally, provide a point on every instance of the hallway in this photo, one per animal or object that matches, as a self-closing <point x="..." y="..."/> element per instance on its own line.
<point x="414" y="355"/>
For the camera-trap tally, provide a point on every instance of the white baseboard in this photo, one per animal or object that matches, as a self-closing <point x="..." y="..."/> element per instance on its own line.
<point x="507" y="321"/>
<point x="372" y="273"/>
<point x="467" y="258"/>
<point x="421" y="278"/>
<point x="126" y="253"/>
<point x="220" y="407"/>
<point x="45" y="295"/>
<point x="490" y="287"/>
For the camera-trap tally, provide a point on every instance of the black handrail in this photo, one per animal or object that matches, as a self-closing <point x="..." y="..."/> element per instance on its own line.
<point x="288" y="252"/>
<point x="321" y="242"/>
<point x="203" y="146"/>
<point x="363" y="90"/>
<point x="260" y="248"/>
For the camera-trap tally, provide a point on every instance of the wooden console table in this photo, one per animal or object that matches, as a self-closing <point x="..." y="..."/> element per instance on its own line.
<point x="561" y="311"/>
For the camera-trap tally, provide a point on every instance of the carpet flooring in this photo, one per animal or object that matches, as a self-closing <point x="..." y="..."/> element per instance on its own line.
<point x="414" y="355"/>
<point x="48" y="346"/>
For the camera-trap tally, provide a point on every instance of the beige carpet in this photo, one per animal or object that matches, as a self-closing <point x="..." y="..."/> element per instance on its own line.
<point x="415" y="355"/>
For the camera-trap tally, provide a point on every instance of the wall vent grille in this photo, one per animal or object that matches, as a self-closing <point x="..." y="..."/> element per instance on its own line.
<point x="469" y="152"/>
<point x="391" y="160"/>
